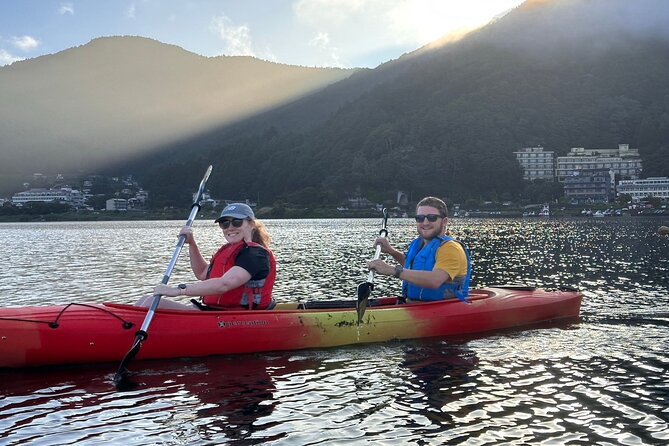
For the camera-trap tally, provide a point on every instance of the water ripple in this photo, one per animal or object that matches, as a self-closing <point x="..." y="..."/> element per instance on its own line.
<point x="600" y="381"/>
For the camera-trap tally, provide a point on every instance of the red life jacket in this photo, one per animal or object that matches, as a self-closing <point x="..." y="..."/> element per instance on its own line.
<point x="254" y="294"/>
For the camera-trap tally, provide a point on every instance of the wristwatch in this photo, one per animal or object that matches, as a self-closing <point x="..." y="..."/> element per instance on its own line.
<point x="398" y="271"/>
<point x="182" y="288"/>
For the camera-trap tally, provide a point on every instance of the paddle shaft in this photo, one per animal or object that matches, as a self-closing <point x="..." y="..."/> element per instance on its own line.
<point x="142" y="334"/>
<point x="377" y="253"/>
<point x="166" y="278"/>
<point x="195" y="208"/>
<point x="365" y="288"/>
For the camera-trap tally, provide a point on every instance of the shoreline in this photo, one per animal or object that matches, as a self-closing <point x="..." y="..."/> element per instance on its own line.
<point x="298" y="214"/>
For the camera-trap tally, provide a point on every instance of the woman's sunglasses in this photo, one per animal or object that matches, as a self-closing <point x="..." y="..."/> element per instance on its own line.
<point x="430" y="217"/>
<point x="236" y="223"/>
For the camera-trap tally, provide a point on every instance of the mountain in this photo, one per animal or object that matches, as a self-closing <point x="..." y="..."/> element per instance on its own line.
<point x="118" y="96"/>
<point x="445" y="120"/>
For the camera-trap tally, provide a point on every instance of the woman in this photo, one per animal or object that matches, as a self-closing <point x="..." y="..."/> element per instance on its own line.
<point x="240" y="275"/>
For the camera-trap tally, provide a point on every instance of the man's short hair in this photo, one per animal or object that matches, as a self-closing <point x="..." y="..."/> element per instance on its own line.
<point x="435" y="203"/>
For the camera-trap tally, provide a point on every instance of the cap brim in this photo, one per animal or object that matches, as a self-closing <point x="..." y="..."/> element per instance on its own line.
<point x="240" y="216"/>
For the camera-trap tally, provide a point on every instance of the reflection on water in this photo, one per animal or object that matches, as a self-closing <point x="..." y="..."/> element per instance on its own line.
<point x="601" y="381"/>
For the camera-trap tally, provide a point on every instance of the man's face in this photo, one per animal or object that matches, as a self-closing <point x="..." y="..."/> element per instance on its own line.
<point x="430" y="229"/>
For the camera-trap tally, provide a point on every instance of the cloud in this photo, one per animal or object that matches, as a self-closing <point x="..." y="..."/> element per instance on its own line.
<point x="322" y="40"/>
<point x="322" y="43"/>
<point x="335" y="60"/>
<point x="237" y="38"/>
<point x="358" y="28"/>
<point x="6" y="58"/>
<point x="319" y="13"/>
<point x="25" y="43"/>
<point x="266" y="53"/>
<point x="402" y="21"/>
<point x="130" y="12"/>
<point x="339" y="24"/>
<point x="66" y="8"/>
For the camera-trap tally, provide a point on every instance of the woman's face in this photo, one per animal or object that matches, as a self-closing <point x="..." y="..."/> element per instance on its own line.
<point x="235" y="231"/>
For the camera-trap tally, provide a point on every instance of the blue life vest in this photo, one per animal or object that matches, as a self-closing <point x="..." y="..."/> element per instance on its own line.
<point x="423" y="258"/>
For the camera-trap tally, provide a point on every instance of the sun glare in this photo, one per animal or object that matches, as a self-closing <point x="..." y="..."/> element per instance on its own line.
<point x="424" y="21"/>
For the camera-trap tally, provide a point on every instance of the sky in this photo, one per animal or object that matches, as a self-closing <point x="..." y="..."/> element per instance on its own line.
<point x="331" y="33"/>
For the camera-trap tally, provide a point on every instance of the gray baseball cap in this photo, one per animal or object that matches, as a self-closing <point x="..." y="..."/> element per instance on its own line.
<point x="237" y="210"/>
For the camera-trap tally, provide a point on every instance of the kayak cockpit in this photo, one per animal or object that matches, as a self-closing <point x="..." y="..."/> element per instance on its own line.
<point x="337" y="304"/>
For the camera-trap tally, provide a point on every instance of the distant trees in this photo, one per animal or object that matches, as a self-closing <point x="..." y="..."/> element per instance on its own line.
<point x="97" y="201"/>
<point x="624" y="199"/>
<point x="35" y="208"/>
<point x="539" y="191"/>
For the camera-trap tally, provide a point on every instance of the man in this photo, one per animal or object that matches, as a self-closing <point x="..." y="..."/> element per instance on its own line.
<point x="435" y="267"/>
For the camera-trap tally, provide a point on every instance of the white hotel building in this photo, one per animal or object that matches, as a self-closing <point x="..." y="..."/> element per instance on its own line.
<point x="623" y="161"/>
<point x="63" y="195"/>
<point x="649" y="187"/>
<point x="537" y="163"/>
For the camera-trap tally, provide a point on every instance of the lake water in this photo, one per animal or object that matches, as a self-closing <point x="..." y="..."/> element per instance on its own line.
<point x="604" y="380"/>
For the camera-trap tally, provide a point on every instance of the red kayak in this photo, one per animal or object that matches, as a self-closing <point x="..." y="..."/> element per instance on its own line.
<point x="90" y="333"/>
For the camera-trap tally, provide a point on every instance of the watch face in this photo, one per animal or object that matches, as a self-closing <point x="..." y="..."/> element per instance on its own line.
<point x="182" y="286"/>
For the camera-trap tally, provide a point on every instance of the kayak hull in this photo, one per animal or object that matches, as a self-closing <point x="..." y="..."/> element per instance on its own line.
<point x="91" y="333"/>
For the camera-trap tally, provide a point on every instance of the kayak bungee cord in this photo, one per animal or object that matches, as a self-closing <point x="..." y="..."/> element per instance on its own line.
<point x="54" y="324"/>
<point x="121" y="377"/>
<point x="365" y="288"/>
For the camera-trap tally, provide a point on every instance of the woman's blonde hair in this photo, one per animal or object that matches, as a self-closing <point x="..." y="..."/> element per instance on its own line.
<point x="260" y="234"/>
<point x="435" y="203"/>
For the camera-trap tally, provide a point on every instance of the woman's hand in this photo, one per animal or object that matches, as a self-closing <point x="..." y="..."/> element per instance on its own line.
<point x="188" y="232"/>
<point x="166" y="290"/>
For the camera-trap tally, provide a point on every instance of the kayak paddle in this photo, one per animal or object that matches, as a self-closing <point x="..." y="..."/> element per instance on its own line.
<point x="121" y="376"/>
<point x="365" y="288"/>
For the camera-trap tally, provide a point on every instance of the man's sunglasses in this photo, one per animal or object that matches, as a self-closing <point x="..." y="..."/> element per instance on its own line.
<point x="236" y="223"/>
<point x="430" y="217"/>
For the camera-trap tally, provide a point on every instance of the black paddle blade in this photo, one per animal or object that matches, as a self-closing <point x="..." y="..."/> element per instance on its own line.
<point x="121" y="380"/>
<point x="364" y="291"/>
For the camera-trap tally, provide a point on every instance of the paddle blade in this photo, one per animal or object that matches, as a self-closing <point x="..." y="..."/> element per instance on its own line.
<point x="364" y="291"/>
<point x="121" y="380"/>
